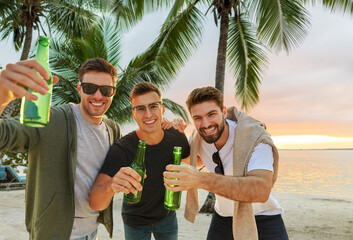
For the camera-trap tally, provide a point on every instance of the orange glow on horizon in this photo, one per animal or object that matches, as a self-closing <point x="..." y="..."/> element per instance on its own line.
<point x="312" y="142"/>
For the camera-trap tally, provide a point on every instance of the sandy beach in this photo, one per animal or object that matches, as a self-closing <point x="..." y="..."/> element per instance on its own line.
<point x="306" y="217"/>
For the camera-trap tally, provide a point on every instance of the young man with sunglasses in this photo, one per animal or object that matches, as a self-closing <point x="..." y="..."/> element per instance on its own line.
<point x="149" y="215"/>
<point x="242" y="162"/>
<point x="65" y="156"/>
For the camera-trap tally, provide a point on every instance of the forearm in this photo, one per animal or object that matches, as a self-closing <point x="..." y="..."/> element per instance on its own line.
<point x="100" y="197"/>
<point x="244" y="189"/>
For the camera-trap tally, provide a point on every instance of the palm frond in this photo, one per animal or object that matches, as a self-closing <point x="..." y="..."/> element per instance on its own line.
<point x="247" y="59"/>
<point x="111" y="39"/>
<point x="343" y="6"/>
<point x="177" y="7"/>
<point x="64" y="64"/>
<point x="130" y="12"/>
<point x="177" y="40"/>
<point x="282" y="24"/>
<point x="176" y="109"/>
<point x="73" y="21"/>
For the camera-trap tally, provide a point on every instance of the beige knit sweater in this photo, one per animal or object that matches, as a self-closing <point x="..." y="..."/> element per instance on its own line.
<point x="248" y="134"/>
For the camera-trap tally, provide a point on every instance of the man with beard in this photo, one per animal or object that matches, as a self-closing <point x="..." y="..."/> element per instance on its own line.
<point x="243" y="163"/>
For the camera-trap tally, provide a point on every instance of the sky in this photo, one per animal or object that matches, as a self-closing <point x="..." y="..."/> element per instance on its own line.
<point x="306" y="98"/>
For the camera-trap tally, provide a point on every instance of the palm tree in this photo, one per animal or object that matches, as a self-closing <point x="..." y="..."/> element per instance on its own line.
<point x="20" y="18"/>
<point x="159" y="64"/>
<point x="249" y="30"/>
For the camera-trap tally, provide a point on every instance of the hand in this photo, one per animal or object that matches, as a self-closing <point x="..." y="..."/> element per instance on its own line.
<point x="177" y="124"/>
<point x="22" y="74"/>
<point x="126" y="180"/>
<point x="187" y="177"/>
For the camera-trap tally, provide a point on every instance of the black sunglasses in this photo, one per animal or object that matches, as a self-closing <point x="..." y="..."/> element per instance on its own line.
<point x="90" y="88"/>
<point x="217" y="160"/>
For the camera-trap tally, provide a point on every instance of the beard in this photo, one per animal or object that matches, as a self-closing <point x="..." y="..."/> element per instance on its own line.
<point x="214" y="137"/>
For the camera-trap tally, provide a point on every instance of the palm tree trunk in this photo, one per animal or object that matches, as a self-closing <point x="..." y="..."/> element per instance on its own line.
<point x="222" y="49"/>
<point x="10" y="108"/>
<point x="28" y="41"/>
<point x="208" y="206"/>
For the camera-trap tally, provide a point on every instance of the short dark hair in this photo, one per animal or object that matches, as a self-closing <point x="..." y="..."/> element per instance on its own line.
<point x="97" y="65"/>
<point x="144" y="87"/>
<point x="200" y="95"/>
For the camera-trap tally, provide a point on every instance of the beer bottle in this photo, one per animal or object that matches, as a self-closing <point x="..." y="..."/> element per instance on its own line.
<point x="36" y="113"/>
<point x="172" y="199"/>
<point x="139" y="166"/>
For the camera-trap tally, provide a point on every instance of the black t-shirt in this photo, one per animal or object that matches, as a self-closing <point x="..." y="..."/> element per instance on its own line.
<point x="121" y="154"/>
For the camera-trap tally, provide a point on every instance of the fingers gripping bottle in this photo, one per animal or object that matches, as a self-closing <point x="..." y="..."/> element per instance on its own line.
<point x="36" y="113"/>
<point x="172" y="199"/>
<point x="139" y="166"/>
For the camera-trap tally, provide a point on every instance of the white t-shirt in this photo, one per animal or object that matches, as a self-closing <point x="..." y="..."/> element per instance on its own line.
<point x="261" y="158"/>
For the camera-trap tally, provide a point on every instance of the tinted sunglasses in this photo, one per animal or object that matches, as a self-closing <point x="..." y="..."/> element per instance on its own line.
<point x="90" y="88"/>
<point x="217" y="160"/>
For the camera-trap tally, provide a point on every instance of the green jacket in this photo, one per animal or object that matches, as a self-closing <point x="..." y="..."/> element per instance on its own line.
<point x="50" y="205"/>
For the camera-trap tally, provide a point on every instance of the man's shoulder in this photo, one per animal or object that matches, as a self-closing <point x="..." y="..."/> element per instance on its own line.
<point x="171" y="133"/>
<point x="111" y="123"/>
<point x="61" y="109"/>
<point x="128" y="139"/>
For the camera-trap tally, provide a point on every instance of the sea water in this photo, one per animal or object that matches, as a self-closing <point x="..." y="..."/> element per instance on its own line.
<point x="316" y="172"/>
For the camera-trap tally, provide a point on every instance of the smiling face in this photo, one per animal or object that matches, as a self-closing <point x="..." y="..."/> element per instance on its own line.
<point x="94" y="106"/>
<point x="209" y="120"/>
<point x="150" y="120"/>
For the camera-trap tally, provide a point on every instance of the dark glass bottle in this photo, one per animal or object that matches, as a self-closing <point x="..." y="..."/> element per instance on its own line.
<point x="172" y="199"/>
<point x="36" y="113"/>
<point x="139" y="166"/>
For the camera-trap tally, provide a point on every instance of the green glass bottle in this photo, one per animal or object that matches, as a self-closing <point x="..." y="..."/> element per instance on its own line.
<point x="172" y="199"/>
<point x="36" y="113"/>
<point x="139" y="166"/>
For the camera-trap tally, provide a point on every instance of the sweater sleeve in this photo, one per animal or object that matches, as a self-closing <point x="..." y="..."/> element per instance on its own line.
<point x="15" y="137"/>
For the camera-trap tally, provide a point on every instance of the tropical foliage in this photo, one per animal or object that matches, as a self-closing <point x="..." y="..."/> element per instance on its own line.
<point x="20" y="18"/>
<point x="249" y="31"/>
<point x="159" y="64"/>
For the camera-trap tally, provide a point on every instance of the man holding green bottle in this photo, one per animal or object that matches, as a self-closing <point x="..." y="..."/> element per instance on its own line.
<point x="243" y="163"/>
<point x="65" y="156"/>
<point x="149" y="214"/>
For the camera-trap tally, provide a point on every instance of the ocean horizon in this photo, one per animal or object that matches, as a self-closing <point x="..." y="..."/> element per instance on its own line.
<point x="317" y="172"/>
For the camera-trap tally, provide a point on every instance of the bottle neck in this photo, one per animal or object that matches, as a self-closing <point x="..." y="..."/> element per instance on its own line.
<point x="42" y="56"/>
<point x="177" y="158"/>
<point x="140" y="156"/>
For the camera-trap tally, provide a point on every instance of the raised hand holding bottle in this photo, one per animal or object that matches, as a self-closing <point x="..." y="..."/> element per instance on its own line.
<point x="36" y="113"/>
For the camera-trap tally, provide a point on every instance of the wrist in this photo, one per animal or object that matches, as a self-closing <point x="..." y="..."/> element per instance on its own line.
<point x="202" y="177"/>
<point x="107" y="188"/>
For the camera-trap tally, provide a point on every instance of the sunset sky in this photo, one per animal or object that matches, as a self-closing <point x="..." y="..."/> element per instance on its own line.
<point x="306" y="98"/>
